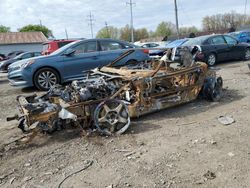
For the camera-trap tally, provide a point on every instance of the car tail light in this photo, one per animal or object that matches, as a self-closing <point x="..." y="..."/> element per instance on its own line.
<point x="146" y="51"/>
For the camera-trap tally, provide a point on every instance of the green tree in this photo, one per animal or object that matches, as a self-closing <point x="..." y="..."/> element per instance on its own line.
<point x="188" y="30"/>
<point x="47" y="32"/>
<point x="125" y="33"/>
<point x="141" y="34"/>
<point x="108" y="32"/>
<point x="165" y="29"/>
<point x="4" y="29"/>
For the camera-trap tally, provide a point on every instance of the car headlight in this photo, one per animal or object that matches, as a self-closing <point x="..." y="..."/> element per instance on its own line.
<point x="28" y="63"/>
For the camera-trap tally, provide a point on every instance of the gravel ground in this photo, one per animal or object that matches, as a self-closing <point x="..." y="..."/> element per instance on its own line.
<point x="185" y="146"/>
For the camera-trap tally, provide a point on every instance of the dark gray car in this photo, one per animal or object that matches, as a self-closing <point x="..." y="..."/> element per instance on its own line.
<point x="5" y="64"/>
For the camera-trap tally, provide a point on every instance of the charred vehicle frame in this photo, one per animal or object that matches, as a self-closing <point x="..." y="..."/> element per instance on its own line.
<point x="109" y="96"/>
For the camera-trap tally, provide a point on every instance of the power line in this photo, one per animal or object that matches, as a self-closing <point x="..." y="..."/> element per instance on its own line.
<point x="130" y="3"/>
<point x="91" y="23"/>
<point x="176" y="18"/>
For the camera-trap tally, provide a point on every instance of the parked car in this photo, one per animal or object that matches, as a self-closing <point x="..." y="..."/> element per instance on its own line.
<point x="5" y="64"/>
<point x="2" y="57"/>
<point x="69" y="62"/>
<point x="149" y="45"/>
<point x="241" y="36"/>
<point x="160" y="52"/>
<point x="49" y="47"/>
<point x="215" y="48"/>
<point x="14" y="54"/>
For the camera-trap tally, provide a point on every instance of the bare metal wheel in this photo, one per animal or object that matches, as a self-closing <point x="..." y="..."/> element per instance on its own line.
<point x="211" y="59"/>
<point x="247" y="54"/>
<point x="112" y="117"/>
<point x="45" y="78"/>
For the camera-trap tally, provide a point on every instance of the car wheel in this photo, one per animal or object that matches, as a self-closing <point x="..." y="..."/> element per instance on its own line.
<point x="215" y="92"/>
<point x="211" y="59"/>
<point x="45" y="78"/>
<point x="247" y="54"/>
<point x="112" y="117"/>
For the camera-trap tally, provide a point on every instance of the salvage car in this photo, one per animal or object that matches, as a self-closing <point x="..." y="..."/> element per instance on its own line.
<point x="109" y="96"/>
<point x="5" y="64"/>
<point x="216" y="48"/>
<point x="67" y="63"/>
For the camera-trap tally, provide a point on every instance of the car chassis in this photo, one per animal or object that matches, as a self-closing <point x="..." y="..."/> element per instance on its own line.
<point x="109" y="96"/>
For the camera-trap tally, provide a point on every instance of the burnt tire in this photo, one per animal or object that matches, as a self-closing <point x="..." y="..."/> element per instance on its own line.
<point x="46" y="78"/>
<point x="211" y="59"/>
<point x="214" y="92"/>
<point x="247" y="54"/>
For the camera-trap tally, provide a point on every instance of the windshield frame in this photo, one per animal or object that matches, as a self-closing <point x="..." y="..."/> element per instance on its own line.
<point x="64" y="48"/>
<point x="195" y="41"/>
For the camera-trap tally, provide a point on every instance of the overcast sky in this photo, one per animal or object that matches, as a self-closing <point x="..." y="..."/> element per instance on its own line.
<point x="72" y="14"/>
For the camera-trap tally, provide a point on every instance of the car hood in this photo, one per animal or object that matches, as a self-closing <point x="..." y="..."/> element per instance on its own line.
<point x="21" y="62"/>
<point x="8" y="61"/>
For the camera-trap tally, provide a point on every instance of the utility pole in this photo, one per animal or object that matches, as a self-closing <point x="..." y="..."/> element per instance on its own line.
<point x="245" y="12"/>
<point x="106" y="25"/>
<point x="40" y="21"/>
<point x="130" y="3"/>
<point x="91" y="20"/>
<point x="66" y="33"/>
<point x="176" y="19"/>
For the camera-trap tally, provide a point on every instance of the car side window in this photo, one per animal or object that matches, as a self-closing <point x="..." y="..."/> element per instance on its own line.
<point x="37" y="54"/>
<point x="230" y="40"/>
<point x="217" y="40"/>
<point x="154" y="45"/>
<point x="127" y="46"/>
<point x="110" y="45"/>
<point x="86" y="47"/>
<point x="25" y="56"/>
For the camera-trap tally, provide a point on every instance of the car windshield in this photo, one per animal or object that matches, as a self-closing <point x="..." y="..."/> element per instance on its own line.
<point x="195" y="41"/>
<point x="45" y="46"/>
<point x="235" y="34"/>
<point x="176" y="43"/>
<point x="64" y="48"/>
<point x="19" y="56"/>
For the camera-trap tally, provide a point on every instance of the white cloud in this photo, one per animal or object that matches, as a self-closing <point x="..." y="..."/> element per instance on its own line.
<point x="61" y="14"/>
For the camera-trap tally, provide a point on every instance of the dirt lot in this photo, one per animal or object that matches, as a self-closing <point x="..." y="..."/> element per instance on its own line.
<point x="185" y="146"/>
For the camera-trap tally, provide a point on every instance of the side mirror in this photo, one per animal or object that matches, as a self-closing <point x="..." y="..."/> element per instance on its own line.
<point x="69" y="52"/>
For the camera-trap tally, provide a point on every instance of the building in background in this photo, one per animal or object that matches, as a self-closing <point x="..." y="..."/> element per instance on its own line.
<point x="21" y="41"/>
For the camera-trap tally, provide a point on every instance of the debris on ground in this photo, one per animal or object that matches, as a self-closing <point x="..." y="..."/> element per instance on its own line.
<point x="226" y="120"/>
<point x="230" y="154"/>
<point x="209" y="175"/>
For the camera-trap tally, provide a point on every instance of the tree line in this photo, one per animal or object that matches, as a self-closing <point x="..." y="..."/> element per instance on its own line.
<point x="163" y="29"/>
<point x="47" y="32"/>
<point x="231" y="20"/>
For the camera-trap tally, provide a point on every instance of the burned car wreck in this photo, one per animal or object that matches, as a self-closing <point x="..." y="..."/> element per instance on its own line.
<point x="109" y="96"/>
